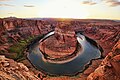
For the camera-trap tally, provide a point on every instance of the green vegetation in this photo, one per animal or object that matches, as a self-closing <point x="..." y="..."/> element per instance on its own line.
<point x="19" y="48"/>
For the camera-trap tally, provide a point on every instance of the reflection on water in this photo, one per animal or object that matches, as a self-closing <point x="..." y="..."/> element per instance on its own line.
<point x="88" y="53"/>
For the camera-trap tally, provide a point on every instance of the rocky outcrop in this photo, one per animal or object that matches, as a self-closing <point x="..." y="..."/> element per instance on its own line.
<point x="59" y="45"/>
<point x="11" y="70"/>
<point x="105" y="35"/>
<point x="110" y="66"/>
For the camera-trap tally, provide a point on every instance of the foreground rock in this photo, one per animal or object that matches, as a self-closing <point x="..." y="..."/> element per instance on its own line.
<point x="11" y="70"/>
<point x="110" y="66"/>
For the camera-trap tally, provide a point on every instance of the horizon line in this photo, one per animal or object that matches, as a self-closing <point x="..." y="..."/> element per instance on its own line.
<point x="58" y="18"/>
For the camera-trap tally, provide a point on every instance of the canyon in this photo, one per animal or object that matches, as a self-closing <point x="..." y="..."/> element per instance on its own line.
<point x="16" y="34"/>
<point x="59" y="45"/>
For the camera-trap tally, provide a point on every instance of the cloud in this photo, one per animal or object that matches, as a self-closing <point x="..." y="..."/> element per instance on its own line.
<point x="113" y="3"/>
<point x="89" y="2"/>
<point x="4" y="0"/>
<point x="29" y="6"/>
<point x="8" y="5"/>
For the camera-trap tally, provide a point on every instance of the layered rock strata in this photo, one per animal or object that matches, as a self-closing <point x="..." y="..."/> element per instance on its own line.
<point x="61" y="44"/>
<point x="110" y="66"/>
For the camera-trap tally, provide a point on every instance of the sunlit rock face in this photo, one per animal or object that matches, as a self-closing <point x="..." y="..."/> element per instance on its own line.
<point x="61" y="44"/>
<point x="110" y="66"/>
<point x="12" y="70"/>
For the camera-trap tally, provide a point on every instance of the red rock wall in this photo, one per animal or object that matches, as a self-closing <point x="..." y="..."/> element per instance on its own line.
<point x="110" y="66"/>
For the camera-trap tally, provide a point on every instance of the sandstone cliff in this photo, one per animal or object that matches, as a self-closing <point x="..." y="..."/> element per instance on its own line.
<point x="110" y="66"/>
<point x="59" y="44"/>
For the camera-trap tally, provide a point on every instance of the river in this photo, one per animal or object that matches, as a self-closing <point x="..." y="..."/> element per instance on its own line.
<point x="87" y="53"/>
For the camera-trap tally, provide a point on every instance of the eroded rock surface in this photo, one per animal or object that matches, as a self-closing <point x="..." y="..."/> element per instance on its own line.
<point x="11" y="70"/>
<point x="62" y="43"/>
<point x="110" y="66"/>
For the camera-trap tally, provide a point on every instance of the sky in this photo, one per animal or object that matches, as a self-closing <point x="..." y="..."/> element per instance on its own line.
<point x="79" y="9"/>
